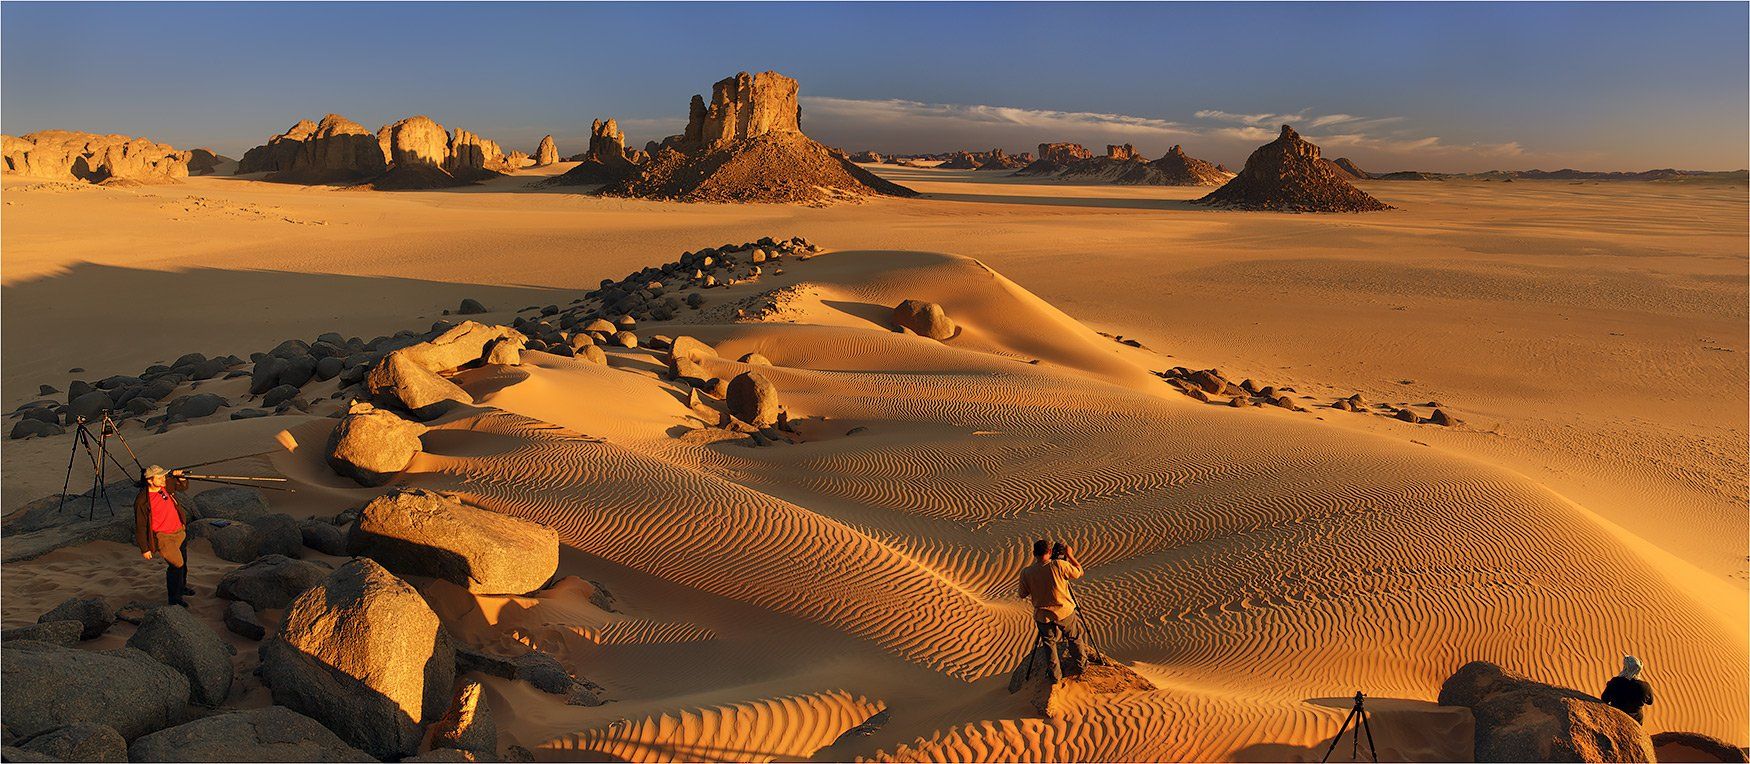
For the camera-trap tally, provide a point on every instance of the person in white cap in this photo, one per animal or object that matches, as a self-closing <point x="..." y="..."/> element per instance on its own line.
<point x="1627" y="691"/>
<point x="161" y="528"/>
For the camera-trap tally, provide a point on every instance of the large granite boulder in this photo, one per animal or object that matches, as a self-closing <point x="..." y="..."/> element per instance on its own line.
<point x="272" y="581"/>
<point x="273" y="733"/>
<point x="418" y="532"/>
<point x="467" y="725"/>
<point x="925" y="318"/>
<point x="53" y="522"/>
<point x="753" y="399"/>
<point x="372" y="445"/>
<point x="63" y="633"/>
<point x="94" y="615"/>
<point x="49" y="686"/>
<point x="410" y="376"/>
<point x="363" y="654"/>
<point x="1518" y="719"/>
<point x="174" y="638"/>
<point x="229" y="503"/>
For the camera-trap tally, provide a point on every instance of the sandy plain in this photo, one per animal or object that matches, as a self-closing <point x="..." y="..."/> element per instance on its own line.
<point x="1254" y="564"/>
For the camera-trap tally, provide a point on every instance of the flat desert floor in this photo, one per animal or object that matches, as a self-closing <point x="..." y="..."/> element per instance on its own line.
<point x="1258" y="565"/>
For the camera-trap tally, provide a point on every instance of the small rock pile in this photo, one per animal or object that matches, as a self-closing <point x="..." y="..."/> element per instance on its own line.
<point x="1209" y="386"/>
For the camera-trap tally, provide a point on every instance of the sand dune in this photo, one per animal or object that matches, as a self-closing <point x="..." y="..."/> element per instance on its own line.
<point x="1254" y="563"/>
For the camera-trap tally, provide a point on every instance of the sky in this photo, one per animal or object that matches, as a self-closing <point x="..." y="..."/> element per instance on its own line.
<point x="1424" y="86"/>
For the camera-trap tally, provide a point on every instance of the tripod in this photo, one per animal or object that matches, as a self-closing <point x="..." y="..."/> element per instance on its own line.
<point x="96" y="448"/>
<point x="1362" y="726"/>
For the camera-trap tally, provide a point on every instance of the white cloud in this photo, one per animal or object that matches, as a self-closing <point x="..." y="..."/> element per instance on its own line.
<point x="910" y="113"/>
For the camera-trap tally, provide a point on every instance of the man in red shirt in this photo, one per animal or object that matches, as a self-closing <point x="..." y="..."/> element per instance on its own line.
<point x="161" y="528"/>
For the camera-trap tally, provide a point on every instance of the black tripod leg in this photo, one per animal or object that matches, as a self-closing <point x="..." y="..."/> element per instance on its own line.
<point x="67" y="484"/>
<point x="1339" y="737"/>
<point x="1371" y="748"/>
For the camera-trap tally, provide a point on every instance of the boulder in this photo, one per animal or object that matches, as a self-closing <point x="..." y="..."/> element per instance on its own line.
<point x="624" y="339"/>
<point x="504" y="352"/>
<point x="240" y="619"/>
<point x="1694" y="746"/>
<point x="410" y="374"/>
<point x="323" y="536"/>
<point x="593" y="354"/>
<point x="49" y="686"/>
<point x="89" y="406"/>
<point x="755" y="359"/>
<point x="272" y="581"/>
<point x="925" y="318"/>
<point x="29" y="428"/>
<point x="542" y="670"/>
<point x="685" y="355"/>
<point x="421" y="392"/>
<point x="753" y="399"/>
<point x="260" y="734"/>
<point x="422" y="533"/>
<point x="229" y="503"/>
<point x="470" y="307"/>
<point x="80" y="742"/>
<point x="174" y="638"/>
<point x="467" y="725"/>
<point x="363" y="654"/>
<point x="196" y="406"/>
<point x="372" y="445"/>
<point x="279" y="395"/>
<point x="232" y="540"/>
<point x="1518" y="719"/>
<point x="63" y="633"/>
<point x="93" y="614"/>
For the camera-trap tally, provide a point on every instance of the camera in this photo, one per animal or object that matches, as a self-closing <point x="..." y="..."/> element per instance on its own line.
<point x="1059" y="551"/>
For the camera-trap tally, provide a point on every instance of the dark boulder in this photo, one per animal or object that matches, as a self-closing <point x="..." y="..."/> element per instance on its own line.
<point x="261" y="734"/>
<point x="1518" y="719"/>
<point x="174" y="638"/>
<point x="49" y="686"/>
<point x="80" y="742"/>
<point x="93" y="614"/>
<point x="272" y="581"/>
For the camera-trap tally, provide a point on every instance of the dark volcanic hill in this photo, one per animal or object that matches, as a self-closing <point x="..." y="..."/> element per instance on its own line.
<point x="1286" y="175"/>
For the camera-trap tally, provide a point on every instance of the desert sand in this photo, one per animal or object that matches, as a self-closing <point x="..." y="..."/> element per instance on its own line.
<point x="1258" y="565"/>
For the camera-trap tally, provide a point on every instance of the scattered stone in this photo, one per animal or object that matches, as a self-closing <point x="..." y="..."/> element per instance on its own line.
<point x="423" y="533"/>
<point x="1406" y="415"/>
<point x="323" y="536"/>
<point x="196" y="406"/>
<point x="35" y="428"/>
<point x="543" y="671"/>
<point x="174" y="638"/>
<point x="240" y="619"/>
<point x="273" y="733"/>
<point x="1440" y="417"/>
<point x="470" y="307"/>
<point x="755" y="359"/>
<point x="363" y="654"/>
<point x="272" y="581"/>
<point x="49" y="686"/>
<point x="625" y="339"/>
<point x="93" y="614"/>
<point x="504" y="352"/>
<point x="926" y="318"/>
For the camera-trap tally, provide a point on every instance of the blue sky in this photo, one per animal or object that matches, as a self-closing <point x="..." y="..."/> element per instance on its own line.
<point x="1426" y="85"/>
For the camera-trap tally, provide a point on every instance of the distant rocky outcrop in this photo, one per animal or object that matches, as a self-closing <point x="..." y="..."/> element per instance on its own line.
<point x="413" y="153"/>
<point x="93" y="158"/>
<point x="866" y="157"/>
<point x="1286" y="175"/>
<point x="1348" y="168"/>
<point x="547" y="153"/>
<point x="606" y="161"/>
<point x="995" y="159"/>
<point x="204" y="162"/>
<point x="277" y="153"/>
<point x="1122" y="165"/>
<point x="748" y="146"/>
<point x="338" y="151"/>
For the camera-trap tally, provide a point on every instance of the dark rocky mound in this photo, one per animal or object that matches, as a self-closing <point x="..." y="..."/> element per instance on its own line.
<point x="277" y="153"/>
<point x="1177" y="168"/>
<point x="1054" y="158"/>
<point x="748" y="146"/>
<point x="606" y="161"/>
<point x="1285" y="175"/>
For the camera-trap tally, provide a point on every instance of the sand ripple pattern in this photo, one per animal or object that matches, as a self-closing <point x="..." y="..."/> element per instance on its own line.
<point x="788" y="728"/>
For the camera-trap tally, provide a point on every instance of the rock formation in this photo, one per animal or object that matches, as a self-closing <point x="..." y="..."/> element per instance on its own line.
<point x="273" y="733"/>
<point x="547" y="153"/>
<point x="1125" y="153"/>
<point x="995" y="159"/>
<point x="1286" y="175"/>
<point x="278" y="152"/>
<point x="605" y="162"/>
<point x="1177" y="168"/>
<point x="204" y="162"/>
<point x="49" y="686"/>
<point x="866" y="157"/>
<point x="748" y="146"/>
<point x="338" y="151"/>
<point x="1349" y="169"/>
<point x="925" y="319"/>
<point x="93" y="158"/>
<point x="417" y="150"/>
<point x="472" y="157"/>
<point x="1518" y="719"/>
<point x="371" y="445"/>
